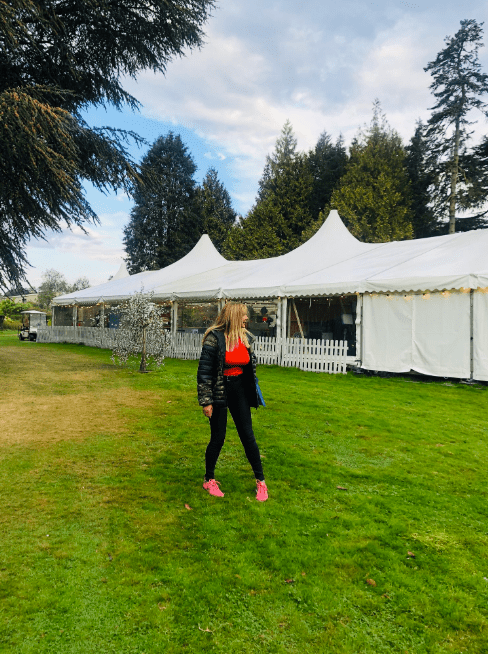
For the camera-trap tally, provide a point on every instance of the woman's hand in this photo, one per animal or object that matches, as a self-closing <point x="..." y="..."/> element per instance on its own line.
<point x="208" y="410"/>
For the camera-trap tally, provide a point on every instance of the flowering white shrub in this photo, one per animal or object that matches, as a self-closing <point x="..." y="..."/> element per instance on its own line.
<point x="141" y="331"/>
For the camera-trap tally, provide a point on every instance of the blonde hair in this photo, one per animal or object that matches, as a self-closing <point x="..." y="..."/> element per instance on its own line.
<point x="229" y="321"/>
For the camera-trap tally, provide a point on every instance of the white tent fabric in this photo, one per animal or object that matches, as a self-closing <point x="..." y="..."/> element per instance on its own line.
<point x="331" y="262"/>
<point x="480" y="335"/>
<point x="203" y="257"/>
<point x="334" y="262"/>
<point x="387" y="333"/>
<point x="423" y="324"/>
<point x="441" y="334"/>
<point x="121" y="272"/>
<point x="437" y="263"/>
<point x="428" y="333"/>
<point x="266" y="277"/>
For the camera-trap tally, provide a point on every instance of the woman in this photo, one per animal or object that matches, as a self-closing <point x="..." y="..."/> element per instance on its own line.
<point x="227" y="378"/>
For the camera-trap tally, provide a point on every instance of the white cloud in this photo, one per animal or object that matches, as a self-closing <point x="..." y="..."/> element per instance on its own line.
<point x="215" y="156"/>
<point x="319" y="66"/>
<point x="96" y="254"/>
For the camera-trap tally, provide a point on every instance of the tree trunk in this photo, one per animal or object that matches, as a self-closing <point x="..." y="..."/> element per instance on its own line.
<point x="142" y="367"/>
<point x="454" y="180"/>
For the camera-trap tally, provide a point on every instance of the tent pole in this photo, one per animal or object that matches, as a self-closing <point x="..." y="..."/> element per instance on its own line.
<point x="101" y="324"/>
<point x="279" y="329"/>
<point x="284" y="328"/>
<point x="359" y="329"/>
<point x="174" y="317"/>
<point x="75" y="322"/>
<point x="284" y="321"/>
<point x="471" y="334"/>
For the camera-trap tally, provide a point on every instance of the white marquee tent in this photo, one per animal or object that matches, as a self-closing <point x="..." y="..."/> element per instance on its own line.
<point x="121" y="272"/>
<point x="422" y="304"/>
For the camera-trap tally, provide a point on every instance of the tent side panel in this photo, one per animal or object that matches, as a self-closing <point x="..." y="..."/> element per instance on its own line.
<point x="441" y="334"/>
<point x="480" y="335"/>
<point x="387" y="332"/>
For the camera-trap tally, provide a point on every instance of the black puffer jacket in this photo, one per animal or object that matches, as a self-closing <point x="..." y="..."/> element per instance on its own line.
<point x="210" y="375"/>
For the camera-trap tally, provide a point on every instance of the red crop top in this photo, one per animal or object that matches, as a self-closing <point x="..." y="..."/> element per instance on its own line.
<point x="235" y="360"/>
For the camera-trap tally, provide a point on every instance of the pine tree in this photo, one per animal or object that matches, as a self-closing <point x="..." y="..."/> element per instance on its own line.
<point x="475" y="163"/>
<point x="58" y="57"/>
<point x="215" y="208"/>
<point x="284" y="154"/>
<point x="275" y="223"/>
<point x="373" y="197"/>
<point x="424" y="222"/>
<point x="257" y="235"/>
<point x="165" y="223"/>
<point x="327" y="163"/>
<point x="458" y="86"/>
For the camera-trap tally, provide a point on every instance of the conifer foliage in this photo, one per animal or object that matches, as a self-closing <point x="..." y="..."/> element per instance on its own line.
<point x="458" y="86"/>
<point x="373" y="197"/>
<point x="57" y="57"/>
<point x="421" y="177"/>
<point x="215" y="209"/>
<point x="327" y="163"/>
<point x="282" y="210"/>
<point x="165" y="222"/>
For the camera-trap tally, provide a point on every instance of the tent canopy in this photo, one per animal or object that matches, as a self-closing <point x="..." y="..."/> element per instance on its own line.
<point x="204" y="256"/>
<point x="331" y="262"/>
<point x="121" y="272"/>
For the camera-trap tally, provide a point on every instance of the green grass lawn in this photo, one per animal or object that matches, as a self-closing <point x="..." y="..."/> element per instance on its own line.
<point x="99" y="554"/>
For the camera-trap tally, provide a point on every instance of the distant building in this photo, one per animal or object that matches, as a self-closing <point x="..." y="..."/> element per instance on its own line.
<point x="22" y="295"/>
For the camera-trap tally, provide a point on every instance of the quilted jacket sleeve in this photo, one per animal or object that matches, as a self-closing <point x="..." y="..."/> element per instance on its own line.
<point x="207" y="370"/>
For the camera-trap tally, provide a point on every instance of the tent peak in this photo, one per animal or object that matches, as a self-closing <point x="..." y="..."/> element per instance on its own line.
<point x="121" y="272"/>
<point x="205" y="248"/>
<point x="333" y="224"/>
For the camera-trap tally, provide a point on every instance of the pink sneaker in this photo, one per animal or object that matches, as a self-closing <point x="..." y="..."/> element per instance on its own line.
<point x="261" y="491"/>
<point x="212" y="487"/>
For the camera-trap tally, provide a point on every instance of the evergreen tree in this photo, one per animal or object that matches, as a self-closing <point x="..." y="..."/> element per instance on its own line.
<point x="275" y="223"/>
<point x="373" y="197"/>
<point x="58" y="57"/>
<point x="424" y="222"/>
<point x="327" y="163"/>
<point x="283" y="156"/>
<point x="164" y="223"/>
<point x="257" y="235"/>
<point x="215" y="207"/>
<point x="475" y="165"/>
<point x="457" y="86"/>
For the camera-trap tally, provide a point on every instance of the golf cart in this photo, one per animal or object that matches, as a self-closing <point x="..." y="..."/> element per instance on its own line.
<point x="31" y="321"/>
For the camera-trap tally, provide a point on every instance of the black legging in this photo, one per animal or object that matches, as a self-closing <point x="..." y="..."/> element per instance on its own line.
<point x="240" y="411"/>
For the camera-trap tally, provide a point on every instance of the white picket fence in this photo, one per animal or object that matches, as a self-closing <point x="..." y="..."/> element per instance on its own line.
<point x="307" y="354"/>
<point x="314" y="355"/>
<point x="93" y="336"/>
<point x="185" y="346"/>
<point x="267" y="350"/>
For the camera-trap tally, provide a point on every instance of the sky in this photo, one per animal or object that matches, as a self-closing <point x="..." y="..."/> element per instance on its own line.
<point x="318" y="63"/>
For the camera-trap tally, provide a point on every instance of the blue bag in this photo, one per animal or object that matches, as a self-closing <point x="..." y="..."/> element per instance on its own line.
<point x="259" y="394"/>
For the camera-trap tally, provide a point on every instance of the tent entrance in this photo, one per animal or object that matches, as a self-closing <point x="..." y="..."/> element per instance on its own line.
<point x="330" y="318"/>
<point x="196" y="317"/>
